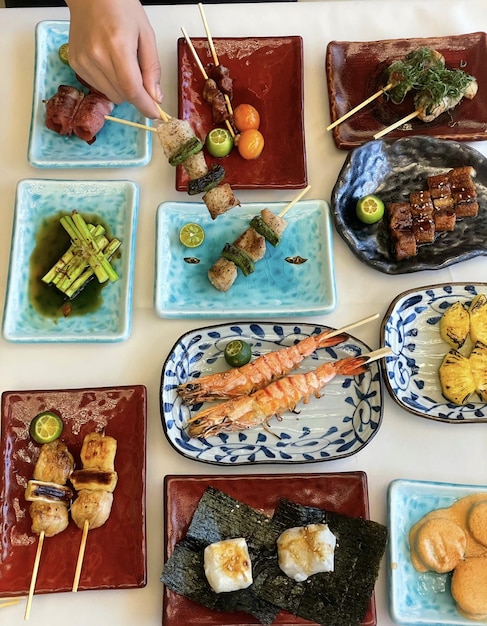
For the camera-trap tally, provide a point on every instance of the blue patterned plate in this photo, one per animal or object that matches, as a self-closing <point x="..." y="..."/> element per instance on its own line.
<point x="116" y="145"/>
<point x="419" y="598"/>
<point x="277" y="287"/>
<point x="411" y="329"/>
<point x="116" y="203"/>
<point x="337" y="425"/>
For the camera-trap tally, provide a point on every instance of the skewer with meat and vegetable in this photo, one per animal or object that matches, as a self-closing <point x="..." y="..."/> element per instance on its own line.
<point x="94" y="484"/>
<point x="402" y="76"/>
<point x="50" y="498"/>
<point x="250" y="247"/>
<point x="440" y="90"/>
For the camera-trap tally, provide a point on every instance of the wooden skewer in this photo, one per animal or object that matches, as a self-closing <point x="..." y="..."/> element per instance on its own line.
<point x="293" y="202"/>
<point x="164" y="116"/>
<point x="360" y="106"/>
<point x="110" y="118"/>
<point x="400" y="122"/>
<point x="213" y="51"/>
<point x="34" y="575"/>
<point x="81" y="554"/>
<point x="9" y="602"/>
<point x="204" y="73"/>
<point x="377" y="354"/>
<point x="344" y="329"/>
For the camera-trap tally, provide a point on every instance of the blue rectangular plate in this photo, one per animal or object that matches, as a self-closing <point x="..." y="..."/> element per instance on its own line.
<point x="116" y="203"/>
<point x="416" y="598"/>
<point x="277" y="287"/>
<point x="116" y="145"/>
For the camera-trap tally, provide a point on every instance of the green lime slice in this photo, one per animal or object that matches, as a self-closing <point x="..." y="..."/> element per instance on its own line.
<point x="46" y="427"/>
<point x="370" y="209"/>
<point x="219" y="142"/>
<point x="191" y="235"/>
<point x="237" y="352"/>
<point x="64" y="53"/>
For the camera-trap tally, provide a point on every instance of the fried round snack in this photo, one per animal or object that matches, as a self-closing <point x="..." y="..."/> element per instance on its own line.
<point x="440" y="544"/>
<point x="477" y="522"/>
<point x="469" y="587"/>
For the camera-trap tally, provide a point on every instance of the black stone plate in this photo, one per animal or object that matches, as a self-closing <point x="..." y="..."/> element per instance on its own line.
<point x="392" y="169"/>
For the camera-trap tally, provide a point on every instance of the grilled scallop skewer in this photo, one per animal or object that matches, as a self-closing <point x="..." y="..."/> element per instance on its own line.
<point x="50" y="498"/>
<point x="95" y="484"/>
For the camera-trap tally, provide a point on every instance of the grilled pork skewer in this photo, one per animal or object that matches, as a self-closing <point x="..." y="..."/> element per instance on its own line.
<point x="96" y="483"/>
<point x="49" y="499"/>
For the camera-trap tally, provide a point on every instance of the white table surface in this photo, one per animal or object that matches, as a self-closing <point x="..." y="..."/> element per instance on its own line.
<point x="405" y="447"/>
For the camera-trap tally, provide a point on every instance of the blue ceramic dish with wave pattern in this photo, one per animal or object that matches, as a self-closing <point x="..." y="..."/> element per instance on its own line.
<point x="116" y="203"/>
<point x="116" y="145"/>
<point x="337" y="425"/>
<point x="414" y="597"/>
<point x="411" y="329"/>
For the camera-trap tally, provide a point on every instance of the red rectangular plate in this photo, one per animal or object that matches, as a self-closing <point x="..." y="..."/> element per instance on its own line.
<point x="344" y="493"/>
<point x="115" y="555"/>
<point x="267" y="73"/>
<point x="355" y="71"/>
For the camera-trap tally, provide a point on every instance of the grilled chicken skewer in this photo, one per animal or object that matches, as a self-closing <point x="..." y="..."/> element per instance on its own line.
<point x="182" y="147"/>
<point x="95" y="484"/>
<point x="50" y="498"/>
<point x="250" y="246"/>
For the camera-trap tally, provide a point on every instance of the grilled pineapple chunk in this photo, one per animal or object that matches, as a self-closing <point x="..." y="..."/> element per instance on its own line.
<point x="478" y="318"/>
<point x="456" y="378"/>
<point x="478" y="365"/>
<point x="455" y="325"/>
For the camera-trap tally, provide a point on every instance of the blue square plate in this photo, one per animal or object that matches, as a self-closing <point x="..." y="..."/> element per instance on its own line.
<point x="116" y="203"/>
<point x="116" y="145"/>
<point x="419" y="598"/>
<point x="276" y="288"/>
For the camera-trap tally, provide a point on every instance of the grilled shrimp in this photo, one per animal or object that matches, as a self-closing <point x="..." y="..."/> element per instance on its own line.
<point x="259" y="407"/>
<point x="256" y="374"/>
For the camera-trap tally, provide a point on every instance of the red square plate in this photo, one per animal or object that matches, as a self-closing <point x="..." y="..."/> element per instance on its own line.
<point x="344" y="493"/>
<point x="267" y="72"/>
<point x="355" y="71"/>
<point x="115" y="555"/>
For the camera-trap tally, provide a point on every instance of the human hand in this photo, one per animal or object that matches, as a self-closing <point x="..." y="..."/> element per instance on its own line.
<point x="112" y="46"/>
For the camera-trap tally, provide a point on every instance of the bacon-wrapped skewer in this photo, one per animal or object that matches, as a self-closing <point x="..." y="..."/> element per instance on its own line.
<point x="70" y="112"/>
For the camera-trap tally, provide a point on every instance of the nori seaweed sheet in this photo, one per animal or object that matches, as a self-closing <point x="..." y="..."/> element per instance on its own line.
<point x="338" y="598"/>
<point x="219" y="517"/>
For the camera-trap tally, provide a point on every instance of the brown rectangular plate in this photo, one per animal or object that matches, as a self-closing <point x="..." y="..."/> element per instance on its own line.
<point x="355" y="71"/>
<point x="344" y="493"/>
<point x="267" y="73"/>
<point x="115" y="555"/>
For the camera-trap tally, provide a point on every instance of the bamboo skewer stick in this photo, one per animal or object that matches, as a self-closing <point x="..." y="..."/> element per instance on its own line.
<point x="360" y="106"/>
<point x="203" y="72"/>
<point x="10" y="602"/>
<point x="164" y="116"/>
<point x="213" y="51"/>
<point x="110" y="118"/>
<point x="81" y="554"/>
<point x="34" y="575"/>
<point x="289" y="206"/>
<point x="400" y="122"/>
<point x="348" y="327"/>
